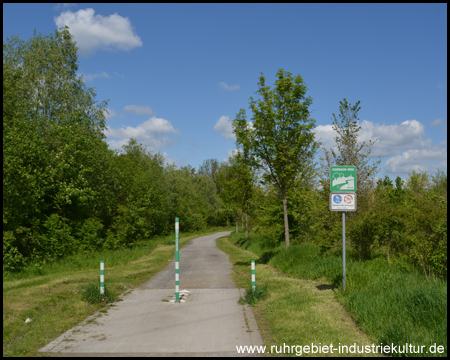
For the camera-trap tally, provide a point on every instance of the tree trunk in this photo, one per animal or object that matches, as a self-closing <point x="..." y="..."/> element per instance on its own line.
<point x="286" y="223"/>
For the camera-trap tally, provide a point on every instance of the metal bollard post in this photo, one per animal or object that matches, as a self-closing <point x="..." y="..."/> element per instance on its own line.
<point x="253" y="275"/>
<point x="102" y="277"/>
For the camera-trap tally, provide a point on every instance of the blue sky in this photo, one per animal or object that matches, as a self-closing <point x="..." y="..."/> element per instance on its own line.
<point x="177" y="74"/>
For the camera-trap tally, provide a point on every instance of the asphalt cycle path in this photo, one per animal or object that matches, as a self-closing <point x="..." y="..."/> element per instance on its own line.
<point x="208" y="321"/>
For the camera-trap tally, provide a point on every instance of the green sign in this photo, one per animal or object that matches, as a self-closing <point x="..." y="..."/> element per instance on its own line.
<point x="343" y="178"/>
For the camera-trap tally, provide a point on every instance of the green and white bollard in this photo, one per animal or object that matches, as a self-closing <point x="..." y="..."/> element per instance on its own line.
<point x="102" y="277"/>
<point x="253" y="275"/>
<point x="177" y="261"/>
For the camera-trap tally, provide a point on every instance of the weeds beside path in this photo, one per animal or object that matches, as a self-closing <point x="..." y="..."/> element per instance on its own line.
<point x="296" y="312"/>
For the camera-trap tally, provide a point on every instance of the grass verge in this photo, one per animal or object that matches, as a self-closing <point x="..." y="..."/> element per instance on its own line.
<point x="296" y="312"/>
<point x="51" y="296"/>
<point x="391" y="304"/>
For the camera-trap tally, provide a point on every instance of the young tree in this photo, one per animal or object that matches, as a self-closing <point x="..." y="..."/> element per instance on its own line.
<point x="349" y="150"/>
<point x="280" y="135"/>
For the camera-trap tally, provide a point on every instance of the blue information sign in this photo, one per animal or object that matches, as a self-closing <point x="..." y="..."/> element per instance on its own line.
<point x="337" y="199"/>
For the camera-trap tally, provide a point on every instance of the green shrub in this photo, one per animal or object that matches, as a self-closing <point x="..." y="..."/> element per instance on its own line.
<point x="91" y="294"/>
<point x="252" y="296"/>
<point x="89" y="234"/>
<point x="58" y="240"/>
<point x="13" y="260"/>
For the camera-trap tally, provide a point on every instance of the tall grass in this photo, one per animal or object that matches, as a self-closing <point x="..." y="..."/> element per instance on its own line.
<point x="392" y="305"/>
<point x="395" y="306"/>
<point x="306" y="262"/>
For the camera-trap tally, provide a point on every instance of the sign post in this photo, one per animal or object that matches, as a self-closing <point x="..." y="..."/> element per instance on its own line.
<point x="177" y="261"/>
<point x="343" y="198"/>
<point x="343" y="251"/>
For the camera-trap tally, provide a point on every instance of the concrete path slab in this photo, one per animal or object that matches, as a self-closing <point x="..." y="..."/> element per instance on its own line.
<point x="202" y="266"/>
<point x="210" y="322"/>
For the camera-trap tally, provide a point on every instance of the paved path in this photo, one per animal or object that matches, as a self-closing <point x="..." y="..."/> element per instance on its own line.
<point x="209" y="321"/>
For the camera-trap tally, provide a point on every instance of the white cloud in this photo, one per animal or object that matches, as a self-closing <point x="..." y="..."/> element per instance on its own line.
<point x="99" y="32"/>
<point x="90" y="77"/>
<point x="138" y="110"/>
<point x="155" y="133"/>
<point x="223" y="126"/>
<point x="403" y="146"/>
<point x="325" y="134"/>
<point x="436" y="122"/>
<point x="227" y="87"/>
<point x="392" y="139"/>
<point x="418" y="160"/>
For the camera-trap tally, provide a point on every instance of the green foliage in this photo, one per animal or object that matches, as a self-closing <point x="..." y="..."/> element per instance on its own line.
<point x="405" y="222"/>
<point x="90" y="234"/>
<point x="57" y="240"/>
<point x="191" y="197"/>
<point x="269" y="211"/>
<point x="64" y="191"/>
<point x="211" y="168"/>
<point x="236" y="179"/>
<point x="222" y="216"/>
<point x="13" y="260"/>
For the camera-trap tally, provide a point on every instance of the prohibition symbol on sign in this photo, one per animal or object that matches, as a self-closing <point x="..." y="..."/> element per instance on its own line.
<point x="348" y="199"/>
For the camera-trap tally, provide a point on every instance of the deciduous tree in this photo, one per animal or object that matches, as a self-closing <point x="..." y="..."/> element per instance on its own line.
<point x="280" y="135"/>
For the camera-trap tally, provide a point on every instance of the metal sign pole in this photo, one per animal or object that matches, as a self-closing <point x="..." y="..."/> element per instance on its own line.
<point x="343" y="249"/>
